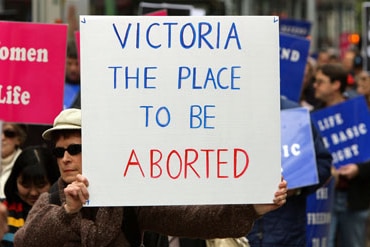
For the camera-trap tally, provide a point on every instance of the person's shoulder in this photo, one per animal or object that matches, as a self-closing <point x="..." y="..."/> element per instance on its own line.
<point x="287" y="104"/>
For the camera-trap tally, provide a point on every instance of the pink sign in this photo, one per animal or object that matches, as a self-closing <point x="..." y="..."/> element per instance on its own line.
<point x="162" y="12"/>
<point x="32" y="70"/>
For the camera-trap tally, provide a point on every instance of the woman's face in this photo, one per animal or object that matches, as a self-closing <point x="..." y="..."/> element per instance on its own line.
<point x="30" y="192"/>
<point x="69" y="164"/>
<point x="363" y="84"/>
<point x="10" y="140"/>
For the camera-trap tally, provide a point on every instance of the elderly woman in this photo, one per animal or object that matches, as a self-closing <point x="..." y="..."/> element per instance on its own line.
<point x="58" y="218"/>
<point x="12" y="139"/>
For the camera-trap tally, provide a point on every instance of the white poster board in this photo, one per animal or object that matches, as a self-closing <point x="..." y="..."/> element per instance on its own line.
<point x="180" y="110"/>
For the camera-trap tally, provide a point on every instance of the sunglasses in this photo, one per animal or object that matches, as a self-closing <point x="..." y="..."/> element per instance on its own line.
<point x="72" y="149"/>
<point x="9" y="133"/>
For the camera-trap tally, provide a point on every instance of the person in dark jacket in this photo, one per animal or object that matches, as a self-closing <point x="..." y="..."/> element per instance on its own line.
<point x="286" y="226"/>
<point x="352" y="195"/>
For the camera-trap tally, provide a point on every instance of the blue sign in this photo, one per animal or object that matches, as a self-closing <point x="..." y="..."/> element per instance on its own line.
<point x="344" y="129"/>
<point x="293" y="58"/>
<point x="70" y="94"/>
<point x="298" y="154"/>
<point x="295" y="27"/>
<point x="318" y="211"/>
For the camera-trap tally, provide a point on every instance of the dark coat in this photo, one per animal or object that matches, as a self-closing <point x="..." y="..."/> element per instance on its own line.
<point x="48" y="224"/>
<point x="286" y="226"/>
<point x="358" y="192"/>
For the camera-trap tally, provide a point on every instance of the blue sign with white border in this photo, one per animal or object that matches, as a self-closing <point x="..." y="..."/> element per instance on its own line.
<point x="344" y="129"/>
<point x="296" y="27"/>
<point x="318" y="212"/>
<point x="293" y="58"/>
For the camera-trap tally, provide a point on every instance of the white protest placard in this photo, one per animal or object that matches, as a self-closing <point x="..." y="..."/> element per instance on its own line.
<point x="180" y="110"/>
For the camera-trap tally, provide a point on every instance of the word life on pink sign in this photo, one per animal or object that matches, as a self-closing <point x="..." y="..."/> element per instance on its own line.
<point x="32" y="65"/>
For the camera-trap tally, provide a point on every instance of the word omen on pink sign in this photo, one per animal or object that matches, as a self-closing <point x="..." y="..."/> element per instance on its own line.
<point x="32" y="65"/>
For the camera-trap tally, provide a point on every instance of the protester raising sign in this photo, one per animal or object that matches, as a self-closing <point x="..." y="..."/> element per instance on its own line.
<point x="344" y="128"/>
<point x="180" y="107"/>
<point x="32" y="62"/>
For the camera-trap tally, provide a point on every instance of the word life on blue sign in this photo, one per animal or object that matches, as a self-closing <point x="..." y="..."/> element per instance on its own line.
<point x="344" y="129"/>
<point x="298" y="153"/>
<point x="293" y="58"/>
<point x="318" y="211"/>
<point x="296" y="27"/>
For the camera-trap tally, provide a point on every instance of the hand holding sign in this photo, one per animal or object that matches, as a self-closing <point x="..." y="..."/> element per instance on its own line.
<point x="279" y="200"/>
<point x="349" y="171"/>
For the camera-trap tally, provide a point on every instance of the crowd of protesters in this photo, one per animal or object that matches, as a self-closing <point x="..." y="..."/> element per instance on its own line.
<point x="27" y="172"/>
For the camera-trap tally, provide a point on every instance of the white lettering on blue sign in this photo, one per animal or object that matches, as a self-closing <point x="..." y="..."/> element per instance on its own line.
<point x="318" y="218"/>
<point x="294" y="149"/>
<point x="345" y="153"/>
<point x="319" y="242"/>
<point x="322" y="193"/>
<point x="289" y="54"/>
<point x="349" y="134"/>
<point x="330" y="122"/>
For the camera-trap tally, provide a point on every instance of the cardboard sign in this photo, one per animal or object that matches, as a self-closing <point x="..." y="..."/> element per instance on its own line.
<point x="32" y="63"/>
<point x="345" y="130"/>
<point x="180" y="110"/>
<point x="293" y="59"/>
<point x="298" y="153"/>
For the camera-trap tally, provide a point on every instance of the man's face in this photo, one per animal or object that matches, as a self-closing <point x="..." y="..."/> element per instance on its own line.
<point x="324" y="88"/>
<point x="70" y="164"/>
<point x="72" y="70"/>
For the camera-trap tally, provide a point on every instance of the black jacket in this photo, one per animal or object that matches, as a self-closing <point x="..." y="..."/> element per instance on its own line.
<point x="286" y="226"/>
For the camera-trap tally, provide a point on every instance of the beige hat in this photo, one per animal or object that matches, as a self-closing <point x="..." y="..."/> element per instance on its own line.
<point x="67" y="119"/>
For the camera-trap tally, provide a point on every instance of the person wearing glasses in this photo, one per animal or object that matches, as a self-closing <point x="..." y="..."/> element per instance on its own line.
<point x="33" y="173"/>
<point x="58" y="218"/>
<point x="351" y="201"/>
<point x="12" y="139"/>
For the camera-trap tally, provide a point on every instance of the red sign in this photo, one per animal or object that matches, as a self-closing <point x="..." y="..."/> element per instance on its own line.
<point x="162" y="12"/>
<point x="32" y="71"/>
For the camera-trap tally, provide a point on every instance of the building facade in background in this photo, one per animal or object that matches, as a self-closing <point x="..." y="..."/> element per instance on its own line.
<point x="332" y="20"/>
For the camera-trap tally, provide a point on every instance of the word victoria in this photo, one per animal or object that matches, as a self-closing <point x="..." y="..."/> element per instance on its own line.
<point x="204" y="35"/>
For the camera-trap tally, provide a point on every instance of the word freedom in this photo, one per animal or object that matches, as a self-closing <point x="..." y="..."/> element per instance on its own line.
<point x="23" y="54"/>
